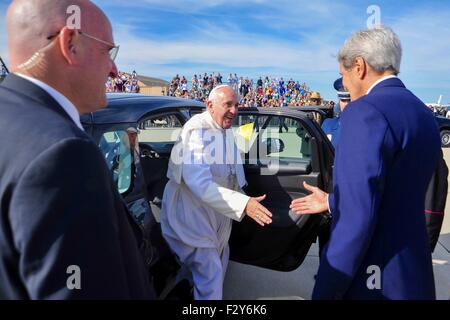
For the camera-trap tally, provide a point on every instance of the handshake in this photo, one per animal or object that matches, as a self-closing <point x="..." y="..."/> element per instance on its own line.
<point x="316" y="202"/>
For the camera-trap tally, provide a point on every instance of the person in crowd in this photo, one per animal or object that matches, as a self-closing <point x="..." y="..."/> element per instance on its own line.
<point x="332" y="126"/>
<point x="265" y="94"/>
<point x="315" y="99"/>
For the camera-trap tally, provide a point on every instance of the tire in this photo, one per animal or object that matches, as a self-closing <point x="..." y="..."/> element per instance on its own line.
<point x="445" y="138"/>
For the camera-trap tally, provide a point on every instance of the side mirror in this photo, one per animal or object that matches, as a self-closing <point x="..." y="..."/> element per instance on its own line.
<point x="273" y="145"/>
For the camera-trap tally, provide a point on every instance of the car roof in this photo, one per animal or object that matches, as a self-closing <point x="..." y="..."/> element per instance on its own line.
<point x="311" y="108"/>
<point x="442" y="120"/>
<point x="128" y="108"/>
<point x="131" y="107"/>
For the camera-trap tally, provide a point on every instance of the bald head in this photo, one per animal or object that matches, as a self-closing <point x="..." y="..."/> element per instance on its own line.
<point x="30" y="22"/>
<point x="220" y="92"/>
<point x="65" y="44"/>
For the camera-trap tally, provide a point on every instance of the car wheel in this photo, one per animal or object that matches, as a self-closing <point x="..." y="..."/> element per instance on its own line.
<point x="445" y="138"/>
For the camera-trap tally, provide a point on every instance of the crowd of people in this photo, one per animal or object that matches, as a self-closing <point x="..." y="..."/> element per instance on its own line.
<point x="199" y="88"/>
<point x="124" y="82"/>
<point x="267" y="92"/>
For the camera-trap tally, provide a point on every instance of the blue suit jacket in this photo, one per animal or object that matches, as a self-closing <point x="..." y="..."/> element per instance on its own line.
<point x="388" y="150"/>
<point x="332" y="127"/>
<point x="59" y="207"/>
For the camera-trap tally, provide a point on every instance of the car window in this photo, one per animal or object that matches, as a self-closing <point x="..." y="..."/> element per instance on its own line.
<point x="160" y="129"/>
<point x="245" y="129"/>
<point x="288" y="138"/>
<point x="115" y="147"/>
<point x="194" y="112"/>
<point x="267" y="138"/>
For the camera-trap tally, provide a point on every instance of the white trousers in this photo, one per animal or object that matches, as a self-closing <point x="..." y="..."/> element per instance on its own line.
<point x="204" y="267"/>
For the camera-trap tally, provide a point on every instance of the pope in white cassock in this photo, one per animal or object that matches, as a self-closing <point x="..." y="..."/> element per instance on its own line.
<point x="204" y="194"/>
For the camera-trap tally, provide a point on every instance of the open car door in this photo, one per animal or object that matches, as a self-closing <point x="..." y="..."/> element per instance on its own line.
<point x="281" y="149"/>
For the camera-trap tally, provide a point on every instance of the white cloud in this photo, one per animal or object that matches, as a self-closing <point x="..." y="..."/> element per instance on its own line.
<point x="232" y="49"/>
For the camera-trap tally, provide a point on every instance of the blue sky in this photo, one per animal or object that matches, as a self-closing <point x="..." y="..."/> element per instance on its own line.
<point x="279" y="38"/>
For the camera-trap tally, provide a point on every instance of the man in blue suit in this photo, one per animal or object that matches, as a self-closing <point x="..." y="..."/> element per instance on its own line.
<point x="65" y="233"/>
<point x="388" y="149"/>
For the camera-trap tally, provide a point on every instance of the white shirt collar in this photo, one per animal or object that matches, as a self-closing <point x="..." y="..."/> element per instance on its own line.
<point x="379" y="81"/>
<point x="65" y="103"/>
<point x="213" y="122"/>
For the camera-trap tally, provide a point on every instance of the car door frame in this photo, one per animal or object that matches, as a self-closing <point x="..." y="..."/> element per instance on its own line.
<point x="291" y="258"/>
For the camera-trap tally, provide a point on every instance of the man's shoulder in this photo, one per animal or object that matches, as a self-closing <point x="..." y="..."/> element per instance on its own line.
<point x="363" y="107"/>
<point x="383" y="102"/>
<point x="10" y="96"/>
<point x="199" y="121"/>
<point x="391" y="92"/>
<point x="67" y="160"/>
<point x="32" y="119"/>
<point x="39" y="134"/>
<point x="396" y="103"/>
<point x="70" y="149"/>
<point x="28" y="129"/>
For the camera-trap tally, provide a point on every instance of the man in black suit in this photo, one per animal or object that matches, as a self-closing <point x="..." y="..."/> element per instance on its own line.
<point x="64" y="231"/>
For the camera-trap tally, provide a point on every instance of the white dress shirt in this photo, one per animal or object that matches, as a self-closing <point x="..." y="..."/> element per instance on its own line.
<point x="65" y="103"/>
<point x="378" y="82"/>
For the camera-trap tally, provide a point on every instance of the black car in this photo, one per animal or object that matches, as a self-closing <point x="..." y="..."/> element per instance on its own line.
<point x="444" y="128"/>
<point x="302" y="153"/>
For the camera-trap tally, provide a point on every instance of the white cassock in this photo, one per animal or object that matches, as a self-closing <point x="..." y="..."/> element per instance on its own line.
<point x="200" y="201"/>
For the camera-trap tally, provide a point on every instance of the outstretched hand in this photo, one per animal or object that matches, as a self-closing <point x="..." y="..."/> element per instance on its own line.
<point x="316" y="202"/>
<point x="258" y="212"/>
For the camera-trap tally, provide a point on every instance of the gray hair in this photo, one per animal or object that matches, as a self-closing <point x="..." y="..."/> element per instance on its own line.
<point x="379" y="47"/>
<point x="215" y="92"/>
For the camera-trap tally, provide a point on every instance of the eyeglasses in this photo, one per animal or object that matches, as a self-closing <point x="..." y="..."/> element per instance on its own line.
<point x="113" y="51"/>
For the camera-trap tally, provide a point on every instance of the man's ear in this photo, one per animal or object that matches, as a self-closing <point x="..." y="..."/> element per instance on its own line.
<point x="361" y="67"/>
<point x="68" y="43"/>
<point x="209" y="105"/>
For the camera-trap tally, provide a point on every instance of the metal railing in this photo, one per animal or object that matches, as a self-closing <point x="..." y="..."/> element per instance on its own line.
<point x="3" y="70"/>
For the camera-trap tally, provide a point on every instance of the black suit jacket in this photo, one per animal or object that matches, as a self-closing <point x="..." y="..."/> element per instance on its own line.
<point x="59" y="208"/>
